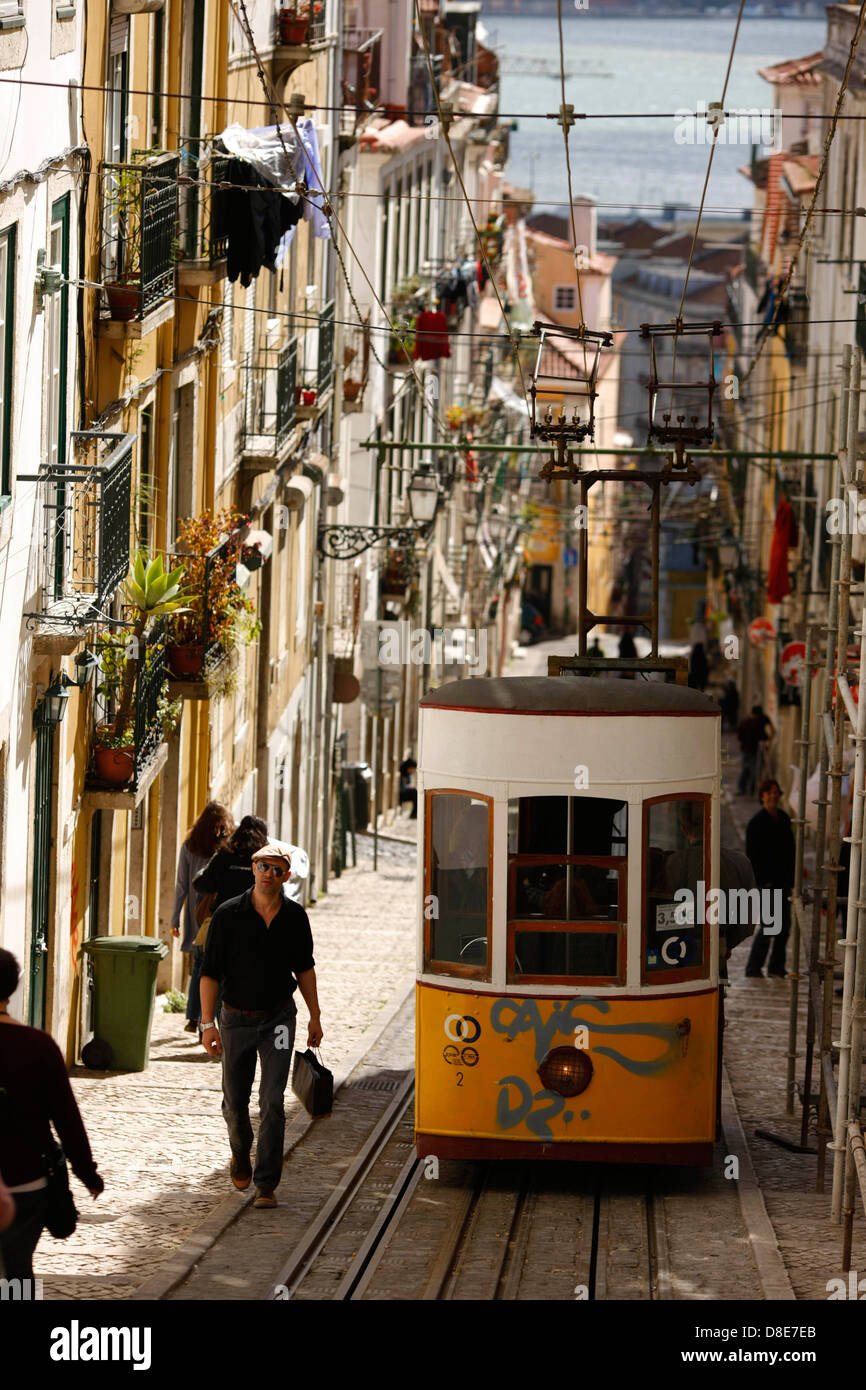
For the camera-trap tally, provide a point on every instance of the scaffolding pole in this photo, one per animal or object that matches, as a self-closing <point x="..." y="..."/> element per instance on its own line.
<point x="797" y="897"/>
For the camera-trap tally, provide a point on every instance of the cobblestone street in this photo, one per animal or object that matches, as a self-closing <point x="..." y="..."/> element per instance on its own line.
<point x="158" y="1136"/>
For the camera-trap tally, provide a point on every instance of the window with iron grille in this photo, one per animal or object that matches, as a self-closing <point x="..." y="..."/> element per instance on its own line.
<point x="564" y="298"/>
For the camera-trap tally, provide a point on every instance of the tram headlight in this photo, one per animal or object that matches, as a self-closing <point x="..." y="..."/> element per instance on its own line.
<point x="566" y="1070"/>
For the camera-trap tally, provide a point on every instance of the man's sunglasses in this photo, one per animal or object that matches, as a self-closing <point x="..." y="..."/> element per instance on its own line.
<point x="276" y="869"/>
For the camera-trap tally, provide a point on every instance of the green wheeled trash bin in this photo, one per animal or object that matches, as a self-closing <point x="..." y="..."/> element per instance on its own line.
<point x="124" y="989"/>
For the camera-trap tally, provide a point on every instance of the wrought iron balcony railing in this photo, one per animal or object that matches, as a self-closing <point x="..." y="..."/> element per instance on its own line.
<point x="317" y="356"/>
<point x="203" y="232"/>
<point x="144" y="733"/>
<point x="85" y="544"/>
<point x="269" y="408"/>
<point x="361" y="76"/>
<point x="139" y="235"/>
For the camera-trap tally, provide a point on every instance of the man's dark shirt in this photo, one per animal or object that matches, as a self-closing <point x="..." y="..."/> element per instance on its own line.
<point x="770" y="846"/>
<point x="751" y="733"/>
<point x="257" y="964"/>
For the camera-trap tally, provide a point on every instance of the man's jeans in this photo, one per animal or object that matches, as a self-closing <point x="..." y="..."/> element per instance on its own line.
<point x="243" y="1037"/>
<point x="193" y="997"/>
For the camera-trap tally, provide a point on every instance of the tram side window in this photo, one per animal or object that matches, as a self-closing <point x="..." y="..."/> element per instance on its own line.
<point x="675" y="860"/>
<point x="459" y="879"/>
<point x="566" y="887"/>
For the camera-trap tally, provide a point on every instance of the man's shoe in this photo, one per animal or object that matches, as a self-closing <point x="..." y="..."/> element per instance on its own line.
<point x="263" y="1198"/>
<point x="754" y="974"/>
<point x="190" y="1026"/>
<point x="241" y="1172"/>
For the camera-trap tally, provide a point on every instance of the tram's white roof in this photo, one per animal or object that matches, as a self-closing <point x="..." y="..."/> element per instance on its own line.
<point x="583" y="695"/>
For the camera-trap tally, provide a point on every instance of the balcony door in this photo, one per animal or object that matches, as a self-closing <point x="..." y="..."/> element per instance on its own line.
<point x="192" y="67"/>
<point x="117" y="134"/>
<point x="56" y="380"/>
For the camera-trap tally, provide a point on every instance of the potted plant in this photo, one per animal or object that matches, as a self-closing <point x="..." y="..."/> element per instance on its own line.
<point x="294" y="23"/>
<point x="152" y="593"/>
<point x="351" y="389"/>
<point x="123" y="212"/>
<point x="229" y="611"/>
<point x="454" y="416"/>
<point x="308" y="397"/>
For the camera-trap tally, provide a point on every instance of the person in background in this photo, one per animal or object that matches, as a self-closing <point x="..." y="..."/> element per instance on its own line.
<point x="751" y="733"/>
<point x="212" y="830"/>
<point x="34" y="1094"/>
<point x="771" y="849"/>
<point x="699" y="668"/>
<point x="730" y="705"/>
<point x="230" y="871"/>
<point x="627" y="648"/>
<point x="408" y="791"/>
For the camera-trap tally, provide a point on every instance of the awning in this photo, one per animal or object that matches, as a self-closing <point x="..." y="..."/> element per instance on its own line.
<point x="298" y="491"/>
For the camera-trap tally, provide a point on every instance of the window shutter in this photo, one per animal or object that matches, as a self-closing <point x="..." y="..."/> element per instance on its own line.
<point x="118" y="41"/>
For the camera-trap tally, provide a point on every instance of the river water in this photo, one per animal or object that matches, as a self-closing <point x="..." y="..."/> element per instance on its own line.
<point x="658" y="66"/>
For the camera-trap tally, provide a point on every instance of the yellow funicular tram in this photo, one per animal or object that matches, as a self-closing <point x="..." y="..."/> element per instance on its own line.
<point x="563" y="1009"/>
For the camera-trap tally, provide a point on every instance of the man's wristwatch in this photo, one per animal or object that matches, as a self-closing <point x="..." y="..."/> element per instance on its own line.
<point x="205" y="1026"/>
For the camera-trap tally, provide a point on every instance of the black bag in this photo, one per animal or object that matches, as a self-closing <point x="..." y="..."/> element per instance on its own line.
<point x="61" y="1215"/>
<point x="312" y="1083"/>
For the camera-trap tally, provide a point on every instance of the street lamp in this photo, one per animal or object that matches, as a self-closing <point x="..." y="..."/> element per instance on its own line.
<point x="53" y="707"/>
<point x="423" y="492"/>
<point x="345" y="542"/>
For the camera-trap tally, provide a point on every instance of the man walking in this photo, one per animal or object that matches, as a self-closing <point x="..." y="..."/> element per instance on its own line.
<point x="259" y="947"/>
<point x="771" y="849"/>
<point x="751" y="733"/>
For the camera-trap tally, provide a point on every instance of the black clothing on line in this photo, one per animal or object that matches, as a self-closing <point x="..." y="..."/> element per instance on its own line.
<point x="255" y="222"/>
<point x="258" y="964"/>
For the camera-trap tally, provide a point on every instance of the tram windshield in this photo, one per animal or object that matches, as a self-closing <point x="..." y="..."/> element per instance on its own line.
<point x="566" y="888"/>
<point x="458" y="881"/>
<point x="675" y="868"/>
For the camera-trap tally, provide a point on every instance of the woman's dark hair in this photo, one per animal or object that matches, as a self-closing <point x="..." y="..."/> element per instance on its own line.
<point x="213" y="829"/>
<point x="10" y="974"/>
<point x="251" y="834"/>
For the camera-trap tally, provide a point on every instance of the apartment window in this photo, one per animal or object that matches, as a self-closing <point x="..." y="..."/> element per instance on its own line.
<point x="56" y="376"/>
<point x="157" y="78"/>
<point x="228" y="329"/>
<point x="7" y="325"/>
<point x="301" y="581"/>
<point x="564" y="299"/>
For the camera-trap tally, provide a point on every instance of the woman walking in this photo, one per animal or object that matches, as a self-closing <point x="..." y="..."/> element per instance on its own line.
<point x="34" y="1094"/>
<point x="230" y="871"/>
<point x="211" y="832"/>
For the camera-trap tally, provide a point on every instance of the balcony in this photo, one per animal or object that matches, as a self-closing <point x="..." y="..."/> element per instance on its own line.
<point x="269" y="409"/>
<point x="203" y="232"/>
<point x="202" y="646"/>
<point x="361" y="80"/>
<point x="139" y="242"/>
<point x="422" y="101"/>
<point x="299" y="37"/>
<point x="317" y="373"/>
<point x="121" y="771"/>
<point x="85" y="542"/>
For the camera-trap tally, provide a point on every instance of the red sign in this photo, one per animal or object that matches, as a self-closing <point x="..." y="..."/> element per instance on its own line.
<point x="762" y="633"/>
<point x="792" y="663"/>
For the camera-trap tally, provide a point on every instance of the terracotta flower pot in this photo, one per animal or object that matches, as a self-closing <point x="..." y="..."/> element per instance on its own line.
<point x="293" y="29"/>
<point x="114" y="765"/>
<point x="185" y="660"/>
<point x="124" y="300"/>
<point x="351" y="389"/>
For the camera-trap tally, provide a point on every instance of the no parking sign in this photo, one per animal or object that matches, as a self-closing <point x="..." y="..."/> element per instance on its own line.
<point x="762" y="632"/>
<point x="792" y="663"/>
